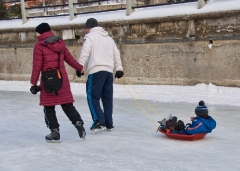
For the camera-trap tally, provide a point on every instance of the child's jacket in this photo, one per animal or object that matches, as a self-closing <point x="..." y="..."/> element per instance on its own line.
<point x="201" y="125"/>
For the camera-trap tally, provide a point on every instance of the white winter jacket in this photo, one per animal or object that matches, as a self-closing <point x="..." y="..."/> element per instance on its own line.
<point x="99" y="52"/>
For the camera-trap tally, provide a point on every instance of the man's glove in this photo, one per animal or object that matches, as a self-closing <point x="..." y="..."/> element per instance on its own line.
<point x="79" y="74"/>
<point x="34" y="89"/>
<point x="119" y="74"/>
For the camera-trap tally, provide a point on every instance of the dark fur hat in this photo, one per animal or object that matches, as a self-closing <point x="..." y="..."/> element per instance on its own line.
<point x="91" y="22"/>
<point x="201" y="110"/>
<point x="43" y="27"/>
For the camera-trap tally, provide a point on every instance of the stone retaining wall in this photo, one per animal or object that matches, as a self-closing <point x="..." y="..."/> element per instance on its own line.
<point x="171" y="50"/>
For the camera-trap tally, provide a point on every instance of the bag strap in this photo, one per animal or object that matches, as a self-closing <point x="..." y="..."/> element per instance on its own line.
<point x="58" y="59"/>
<point x="56" y="92"/>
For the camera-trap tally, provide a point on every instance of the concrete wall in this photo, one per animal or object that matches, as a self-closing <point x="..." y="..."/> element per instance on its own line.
<point x="172" y="50"/>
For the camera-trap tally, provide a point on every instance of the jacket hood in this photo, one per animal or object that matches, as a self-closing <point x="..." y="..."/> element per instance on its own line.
<point x="100" y="30"/>
<point x="54" y="43"/>
<point x="209" y="122"/>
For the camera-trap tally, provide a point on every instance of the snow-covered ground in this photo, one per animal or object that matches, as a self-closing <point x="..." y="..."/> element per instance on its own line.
<point x="133" y="145"/>
<point x="210" y="93"/>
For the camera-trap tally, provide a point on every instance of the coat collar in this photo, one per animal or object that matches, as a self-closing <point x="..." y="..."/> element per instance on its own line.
<point x="45" y="35"/>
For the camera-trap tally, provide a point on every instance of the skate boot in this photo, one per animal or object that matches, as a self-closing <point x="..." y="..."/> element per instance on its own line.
<point x="110" y="128"/>
<point x="162" y="125"/>
<point x="81" y="130"/>
<point x="163" y="122"/>
<point x="54" y="136"/>
<point x="169" y="117"/>
<point x="97" y="128"/>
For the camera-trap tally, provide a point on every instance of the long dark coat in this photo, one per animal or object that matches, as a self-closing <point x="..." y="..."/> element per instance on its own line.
<point x="45" y="55"/>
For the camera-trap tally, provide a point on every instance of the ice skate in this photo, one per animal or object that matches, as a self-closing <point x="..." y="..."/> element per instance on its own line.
<point x="97" y="128"/>
<point x="110" y="128"/>
<point x="163" y="122"/>
<point x="53" y="137"/>
<point x="169" y="117"/>
<point x="81" y="130"/>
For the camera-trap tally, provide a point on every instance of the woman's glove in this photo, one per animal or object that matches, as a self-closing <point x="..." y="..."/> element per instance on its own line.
<point x="34" y="89"/>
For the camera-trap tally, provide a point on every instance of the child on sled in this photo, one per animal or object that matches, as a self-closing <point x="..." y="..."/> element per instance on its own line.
<point x="202" y="123"/>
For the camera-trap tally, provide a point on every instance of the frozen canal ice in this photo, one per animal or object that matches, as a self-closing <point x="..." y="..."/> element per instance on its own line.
<point x="133" y="145"/>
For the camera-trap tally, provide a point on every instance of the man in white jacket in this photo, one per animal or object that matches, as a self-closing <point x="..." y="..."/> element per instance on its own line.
<point x="101" y="56"/>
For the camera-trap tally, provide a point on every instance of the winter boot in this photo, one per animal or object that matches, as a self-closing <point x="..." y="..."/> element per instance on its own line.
<point x="174" y="119"/>
<point x="80" y="128"/>
<point x="54" y="135"/>
<point x="181" y="125"/>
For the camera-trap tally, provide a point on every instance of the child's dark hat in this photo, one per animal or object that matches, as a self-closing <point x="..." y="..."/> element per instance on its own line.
<point x="201" y="110"/>
<point x="42" y="28"/>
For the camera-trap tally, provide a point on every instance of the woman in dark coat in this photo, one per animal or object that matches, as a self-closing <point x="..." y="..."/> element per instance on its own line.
<point x="45" y="55"/>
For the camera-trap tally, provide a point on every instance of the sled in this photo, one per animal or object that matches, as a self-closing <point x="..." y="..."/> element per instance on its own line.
<point x="184" y="137"/>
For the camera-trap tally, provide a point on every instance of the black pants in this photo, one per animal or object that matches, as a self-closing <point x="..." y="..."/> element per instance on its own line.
<point x="69" y="110"/>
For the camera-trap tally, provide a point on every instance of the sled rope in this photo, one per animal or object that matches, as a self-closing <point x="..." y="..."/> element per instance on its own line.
<point x="140" y="106"/>
<point x="142" y="98"/>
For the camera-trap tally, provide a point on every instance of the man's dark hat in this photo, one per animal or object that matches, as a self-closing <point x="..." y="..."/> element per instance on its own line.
<point x="91" y="22"/>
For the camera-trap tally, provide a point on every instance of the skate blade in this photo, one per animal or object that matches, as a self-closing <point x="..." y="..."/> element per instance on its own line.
<point x="83" y="136"/>
<point x="98" y="130"/>
<point x="53" y="141"/>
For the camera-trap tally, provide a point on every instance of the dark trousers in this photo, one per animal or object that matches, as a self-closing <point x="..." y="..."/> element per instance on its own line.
<point x="100" y="86"/>
<point x="69" y="110"/>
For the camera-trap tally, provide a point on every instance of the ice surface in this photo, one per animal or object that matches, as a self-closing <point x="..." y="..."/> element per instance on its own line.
<point x="133" y="145"/>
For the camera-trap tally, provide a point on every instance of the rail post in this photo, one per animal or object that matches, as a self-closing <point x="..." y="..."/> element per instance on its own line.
<point x="24" y="11"/>
<point x="72" y="8"/>
<point x="201" y="3"/>
<point x="129" y="5"/>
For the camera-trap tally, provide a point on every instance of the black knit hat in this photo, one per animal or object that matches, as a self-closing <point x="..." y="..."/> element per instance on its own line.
<point x="43" y="27"/>
<point x="91" y="22"/>
<point x="201" y="110"/>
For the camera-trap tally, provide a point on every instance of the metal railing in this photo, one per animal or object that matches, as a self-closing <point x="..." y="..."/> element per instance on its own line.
<point x="10" y="10"/>
<point x="42" y="9"/>
<point x="141" y="4"/>
<point x="45" y="8"/>
<point x="119" y="5"/>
